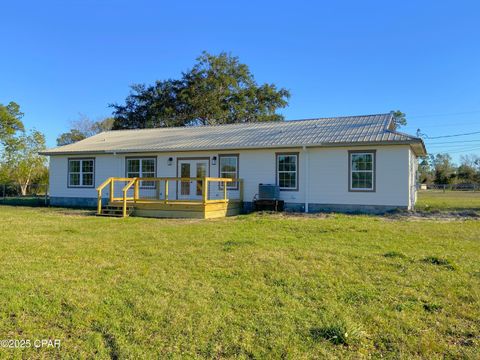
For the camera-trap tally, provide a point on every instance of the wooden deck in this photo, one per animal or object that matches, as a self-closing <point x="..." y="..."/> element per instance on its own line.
<point x="182" y="209"/>
<point x="211" y="202"/>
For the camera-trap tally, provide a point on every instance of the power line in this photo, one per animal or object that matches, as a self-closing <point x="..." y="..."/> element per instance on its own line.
<point x="455" y="151"/>
<point x="466" y="150"/>
<point x="452" y="142"/>
<point x="455" y="145"/>
<point x="450" y="136"/>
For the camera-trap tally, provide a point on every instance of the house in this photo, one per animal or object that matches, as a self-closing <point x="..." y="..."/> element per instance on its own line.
<point x="354" y="163"/>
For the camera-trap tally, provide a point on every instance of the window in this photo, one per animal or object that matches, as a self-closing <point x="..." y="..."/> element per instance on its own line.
<point x="81" y="172"/>
<point x="287" y="171"/>
<point x="142" y="168"/>
<point x="362" y="171"/>
<point x="228" y="168"/>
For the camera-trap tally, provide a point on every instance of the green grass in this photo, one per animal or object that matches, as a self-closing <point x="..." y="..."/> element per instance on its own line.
<point x="432" y="200"/>
<point x="256" y="286"/>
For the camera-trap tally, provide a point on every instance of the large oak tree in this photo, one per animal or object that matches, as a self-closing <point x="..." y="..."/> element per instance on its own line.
<point x="217" y="90"/>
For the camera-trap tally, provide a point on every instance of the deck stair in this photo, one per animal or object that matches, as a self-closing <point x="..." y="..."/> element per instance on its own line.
<point x="115" y="210"/>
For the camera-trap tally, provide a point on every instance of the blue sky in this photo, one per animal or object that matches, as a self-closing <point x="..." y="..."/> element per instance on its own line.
<point x="62" y="58"/>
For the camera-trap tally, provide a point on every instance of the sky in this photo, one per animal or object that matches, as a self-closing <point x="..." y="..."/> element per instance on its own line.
<point x="63" y="59"/>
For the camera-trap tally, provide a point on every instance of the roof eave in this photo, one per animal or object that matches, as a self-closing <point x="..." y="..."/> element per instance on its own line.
<point x="422" y="148"/>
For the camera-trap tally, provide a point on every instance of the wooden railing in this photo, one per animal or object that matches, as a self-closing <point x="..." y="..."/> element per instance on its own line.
<point x="135" y="183"/>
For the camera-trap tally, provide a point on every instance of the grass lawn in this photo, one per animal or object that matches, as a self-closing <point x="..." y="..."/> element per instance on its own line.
<point x="255" y="286"/>
<point x="432" y="200"/>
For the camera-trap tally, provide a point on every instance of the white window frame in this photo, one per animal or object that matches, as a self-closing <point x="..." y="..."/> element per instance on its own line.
<point x="141" y="172"/>
<point x="296" y="156"/>
<point x="234" y="184"/>
<point x="372" y="170"/>
<point x="81" y="172"/>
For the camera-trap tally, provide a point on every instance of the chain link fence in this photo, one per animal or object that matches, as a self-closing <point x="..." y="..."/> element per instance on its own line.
<point x="450" y="187"/>
<point x="30" y="195"/>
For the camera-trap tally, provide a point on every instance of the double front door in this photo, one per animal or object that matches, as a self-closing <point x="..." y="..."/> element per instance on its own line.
<point x="192" y="168"/>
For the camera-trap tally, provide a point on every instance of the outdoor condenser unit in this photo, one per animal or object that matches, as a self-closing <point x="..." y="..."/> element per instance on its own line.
<point x="268" y="192"/>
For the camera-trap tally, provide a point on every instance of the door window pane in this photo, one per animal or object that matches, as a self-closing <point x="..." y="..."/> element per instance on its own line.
<point x="201" y="173"/>
<point x="185" y="173"/>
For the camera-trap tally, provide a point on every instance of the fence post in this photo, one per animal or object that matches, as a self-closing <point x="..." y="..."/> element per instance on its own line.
<point x="444" y="187"/>
<point x="46" y="195"/>
<point x="4" y="192"/>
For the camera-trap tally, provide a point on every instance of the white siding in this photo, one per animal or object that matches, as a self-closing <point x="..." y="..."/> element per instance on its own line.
<point x="329" y="177"/>
<point x="327" y="169"/>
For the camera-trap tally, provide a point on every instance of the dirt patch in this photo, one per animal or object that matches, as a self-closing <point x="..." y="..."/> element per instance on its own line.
<point x="392" y="216"/>
<point x="435" y="215"/>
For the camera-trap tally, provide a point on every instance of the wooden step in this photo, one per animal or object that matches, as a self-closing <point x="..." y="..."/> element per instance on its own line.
<point x="111" y="215"/>
<point x="115" y="211"/>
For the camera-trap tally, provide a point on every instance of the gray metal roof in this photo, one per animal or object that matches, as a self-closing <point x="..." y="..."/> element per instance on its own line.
<point x="350" y="130"/>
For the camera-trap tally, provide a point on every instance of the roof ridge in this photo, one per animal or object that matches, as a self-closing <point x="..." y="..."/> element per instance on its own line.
<point x="249" y="123"/>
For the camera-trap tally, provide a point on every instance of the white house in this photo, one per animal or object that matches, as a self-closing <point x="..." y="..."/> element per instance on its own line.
<point x="355" y="163"/>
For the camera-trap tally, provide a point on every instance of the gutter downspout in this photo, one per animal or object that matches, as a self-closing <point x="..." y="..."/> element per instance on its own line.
<point x="307" y="178"/>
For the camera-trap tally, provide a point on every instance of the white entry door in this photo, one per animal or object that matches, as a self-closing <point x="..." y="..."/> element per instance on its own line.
<point x="192" y="168"/>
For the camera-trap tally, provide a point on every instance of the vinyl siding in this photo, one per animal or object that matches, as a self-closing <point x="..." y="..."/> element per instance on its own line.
<point x="327" y="169"/>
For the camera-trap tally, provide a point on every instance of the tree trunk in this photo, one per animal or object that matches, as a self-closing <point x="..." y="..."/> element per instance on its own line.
<point x="24" y="184"/>
<point x="23" y="189"/>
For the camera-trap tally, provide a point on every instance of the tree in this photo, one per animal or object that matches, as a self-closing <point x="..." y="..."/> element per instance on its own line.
<point x="217" y="90"/>
<point x="70" y="137"/>
<point x="469" y="169"/>
<point x="444" y="169"/>
<point x="399" y="119"/>
<point x="425" y="170"/>
<point x="83" y="128"/>
<point x="10" y="120"/>
<point x="22" y="160"/>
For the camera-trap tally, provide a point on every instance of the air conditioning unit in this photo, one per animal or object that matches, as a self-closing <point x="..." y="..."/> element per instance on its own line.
<point x="268" y="192"/>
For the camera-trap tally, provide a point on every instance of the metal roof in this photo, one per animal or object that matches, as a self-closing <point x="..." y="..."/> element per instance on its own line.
<point x="350" y="130"/>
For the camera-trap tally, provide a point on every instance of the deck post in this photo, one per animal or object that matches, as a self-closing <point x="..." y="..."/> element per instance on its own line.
<point x="124" y="203"/>
<point x="136" y="191"/>
<point x="166" y="191"/>
<point x="112" y="189"/>
<point x="99" y="202"/>
<point x="205" y="190"/>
